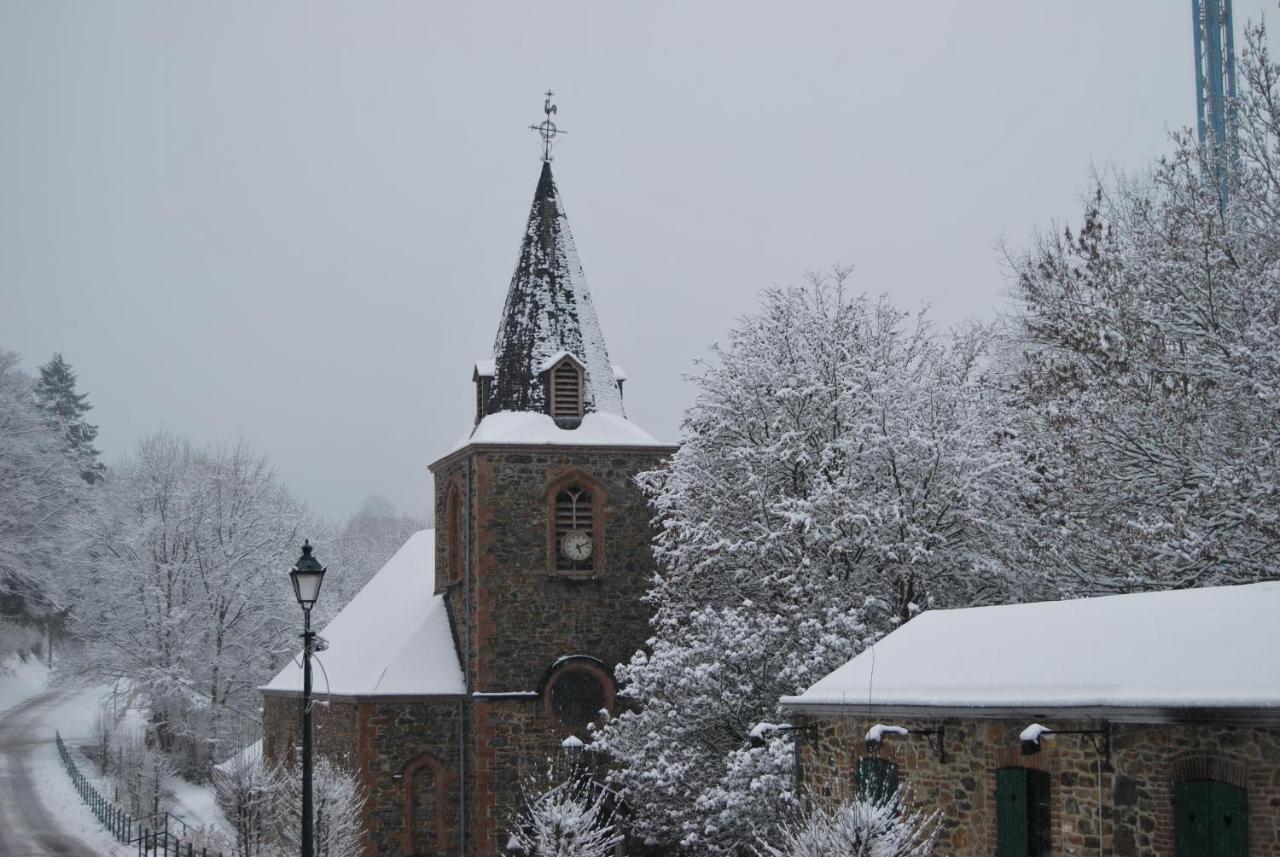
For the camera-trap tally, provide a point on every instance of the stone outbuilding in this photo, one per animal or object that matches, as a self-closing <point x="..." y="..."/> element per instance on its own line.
<point x="485" y="643"/>
<point x="1144" y="725"/>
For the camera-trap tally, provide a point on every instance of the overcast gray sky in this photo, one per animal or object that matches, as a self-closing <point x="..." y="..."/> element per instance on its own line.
<point x="295" y="222"/>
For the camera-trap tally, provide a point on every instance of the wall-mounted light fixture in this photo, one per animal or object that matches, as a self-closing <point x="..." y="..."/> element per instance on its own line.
<point x="1031" y="739"/>
<point x="761" y="731"/>
<point x="936" y="737"/>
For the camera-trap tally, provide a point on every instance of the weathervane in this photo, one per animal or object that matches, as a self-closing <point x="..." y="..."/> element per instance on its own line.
<point x="546" y="128"/>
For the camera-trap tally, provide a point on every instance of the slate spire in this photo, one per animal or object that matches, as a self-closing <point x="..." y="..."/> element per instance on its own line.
<point x="548" y="313"/>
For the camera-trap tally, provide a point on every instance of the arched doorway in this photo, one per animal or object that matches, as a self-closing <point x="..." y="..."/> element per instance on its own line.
<point x="1210" y="819"/>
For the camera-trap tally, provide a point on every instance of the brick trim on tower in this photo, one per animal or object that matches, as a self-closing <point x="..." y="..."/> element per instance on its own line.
<point x="444" y="777"/>
<point x="560" y="479"/>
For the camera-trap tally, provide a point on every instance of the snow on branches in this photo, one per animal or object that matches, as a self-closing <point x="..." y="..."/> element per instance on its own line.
<point x="1152" y="369"/>
<point x="842" y="467"/>
<point x="857" y="828"/>
<point x="181" y="590"/>
<point x="564" y="813"/>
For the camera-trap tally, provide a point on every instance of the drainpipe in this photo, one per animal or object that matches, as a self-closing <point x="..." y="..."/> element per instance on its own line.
<point x="1101" y="832"/>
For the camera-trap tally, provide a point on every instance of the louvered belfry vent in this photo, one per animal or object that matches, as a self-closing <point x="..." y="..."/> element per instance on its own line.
<point x="566" y="390"/>
<point x="573" y="512"/>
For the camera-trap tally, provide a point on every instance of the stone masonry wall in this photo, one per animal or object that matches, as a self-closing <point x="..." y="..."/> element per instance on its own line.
<point x="527" y="617"/>
<point x="456" y="472"/>
<point x="523" y="617"/>
<point x="412" y="778"/>
<point x="333" y="730"/>
<point x="1135" y="803"/>
<point x="405" y="754"/>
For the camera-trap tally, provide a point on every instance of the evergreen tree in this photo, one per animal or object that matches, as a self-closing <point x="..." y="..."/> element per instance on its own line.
<point x="56" y="393"/>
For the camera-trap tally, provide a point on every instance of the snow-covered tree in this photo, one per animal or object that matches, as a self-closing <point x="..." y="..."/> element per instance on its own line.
<point x="1152" y="372"/>
<point x="40" y="490"/>
<point x="184" y="591"/>
<point x="246" y="790"/>
<point x="857" y="828"/>
<point x="564" y="813"/>
<point x="843" y="466"/>
<point x="56" y="392"/>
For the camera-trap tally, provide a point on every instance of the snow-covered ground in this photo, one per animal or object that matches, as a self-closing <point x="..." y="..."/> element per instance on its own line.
<point x="42" y="813"/>
<point x="20" y="679"/>
<point x="40" y="794"/>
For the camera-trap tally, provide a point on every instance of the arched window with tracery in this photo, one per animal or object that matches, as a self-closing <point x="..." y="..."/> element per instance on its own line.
<point x="575" y="530"/>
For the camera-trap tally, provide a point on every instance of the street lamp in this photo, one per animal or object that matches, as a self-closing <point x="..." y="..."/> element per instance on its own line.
<point x="307" y="574"/>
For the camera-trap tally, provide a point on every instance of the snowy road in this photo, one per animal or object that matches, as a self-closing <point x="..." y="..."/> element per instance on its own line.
<point x="26" y="827"/>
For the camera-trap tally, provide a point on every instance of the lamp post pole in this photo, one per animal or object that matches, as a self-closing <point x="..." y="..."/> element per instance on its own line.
<point x="308" y="848"/>
<point x="307" y="574"/>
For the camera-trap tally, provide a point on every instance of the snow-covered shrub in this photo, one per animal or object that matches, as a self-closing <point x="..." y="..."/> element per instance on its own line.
<point x="564" y="813"/>
<point x="140" y="772"/>
<point x="337" y="806"/>
<point x="246" y="790"/>
<point x="857" y="828"/>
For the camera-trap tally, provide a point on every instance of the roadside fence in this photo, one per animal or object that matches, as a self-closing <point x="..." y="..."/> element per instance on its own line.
<point x="161" y="834"/>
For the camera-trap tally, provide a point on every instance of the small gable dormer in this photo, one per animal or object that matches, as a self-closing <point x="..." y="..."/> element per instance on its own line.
<point x="482" y="377"/>
<point x="564" y="377"/>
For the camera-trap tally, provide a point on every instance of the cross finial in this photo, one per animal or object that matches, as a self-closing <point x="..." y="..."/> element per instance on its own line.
<point x="546" y="128"/>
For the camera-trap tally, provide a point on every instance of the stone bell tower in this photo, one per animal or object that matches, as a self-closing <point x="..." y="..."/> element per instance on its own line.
<point x="543" y="553"/>
<point x="482" y="645"/>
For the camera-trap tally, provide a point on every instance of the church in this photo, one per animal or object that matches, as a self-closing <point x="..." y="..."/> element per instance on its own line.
<point x="483" y="644"/>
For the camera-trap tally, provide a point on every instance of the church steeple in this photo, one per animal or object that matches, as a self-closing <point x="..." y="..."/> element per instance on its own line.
<point x="549" y="355"/>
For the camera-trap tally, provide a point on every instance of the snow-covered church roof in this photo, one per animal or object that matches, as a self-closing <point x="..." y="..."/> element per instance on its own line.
<point x="1151" y="655"/>
<point x="548" y="312"/>
<point x="392" y="639"/>
<point x="510" y="428"/>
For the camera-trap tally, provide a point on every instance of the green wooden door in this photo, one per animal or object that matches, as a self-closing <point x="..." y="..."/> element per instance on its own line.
<point x="1211" y="819"/>
<point x="877" y="779"/>
<point x="1011" y="812"/>
<point x="1022" y="813"/>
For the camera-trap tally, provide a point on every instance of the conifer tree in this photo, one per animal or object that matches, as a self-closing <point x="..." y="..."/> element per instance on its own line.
<point x="56" y="393"/>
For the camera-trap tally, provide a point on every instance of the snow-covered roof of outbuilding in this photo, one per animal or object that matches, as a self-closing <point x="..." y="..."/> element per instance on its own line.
<point x="392" y="639"/>
<point x="1145" y="654"/>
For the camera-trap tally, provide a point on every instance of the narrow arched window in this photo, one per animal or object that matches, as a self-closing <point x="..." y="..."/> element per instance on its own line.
<point x="566" y="389"/>
<point x="453" y="533"/>
<point x="575" y="530"/>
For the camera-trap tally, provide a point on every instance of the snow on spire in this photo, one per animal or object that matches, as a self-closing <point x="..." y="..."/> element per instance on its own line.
<point x="549" y="312"/>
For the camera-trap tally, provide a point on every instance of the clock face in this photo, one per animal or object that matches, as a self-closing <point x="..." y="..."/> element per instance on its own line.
<point x="576" y="545"/>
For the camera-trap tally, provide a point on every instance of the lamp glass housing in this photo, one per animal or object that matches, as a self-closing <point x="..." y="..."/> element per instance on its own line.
<point x="306" y="586"/>
<point x="307" y="574"/>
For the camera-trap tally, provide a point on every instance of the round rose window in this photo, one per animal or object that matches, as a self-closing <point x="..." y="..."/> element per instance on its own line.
<point x="576" y="694"/>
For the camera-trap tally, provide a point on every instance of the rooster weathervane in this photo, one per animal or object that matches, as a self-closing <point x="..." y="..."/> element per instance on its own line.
<point x="546" y="128"/>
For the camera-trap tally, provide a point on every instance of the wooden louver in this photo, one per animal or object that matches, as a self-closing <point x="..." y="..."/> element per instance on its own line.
<point x="566" y="389"/>
<point x="573" y="512"/>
